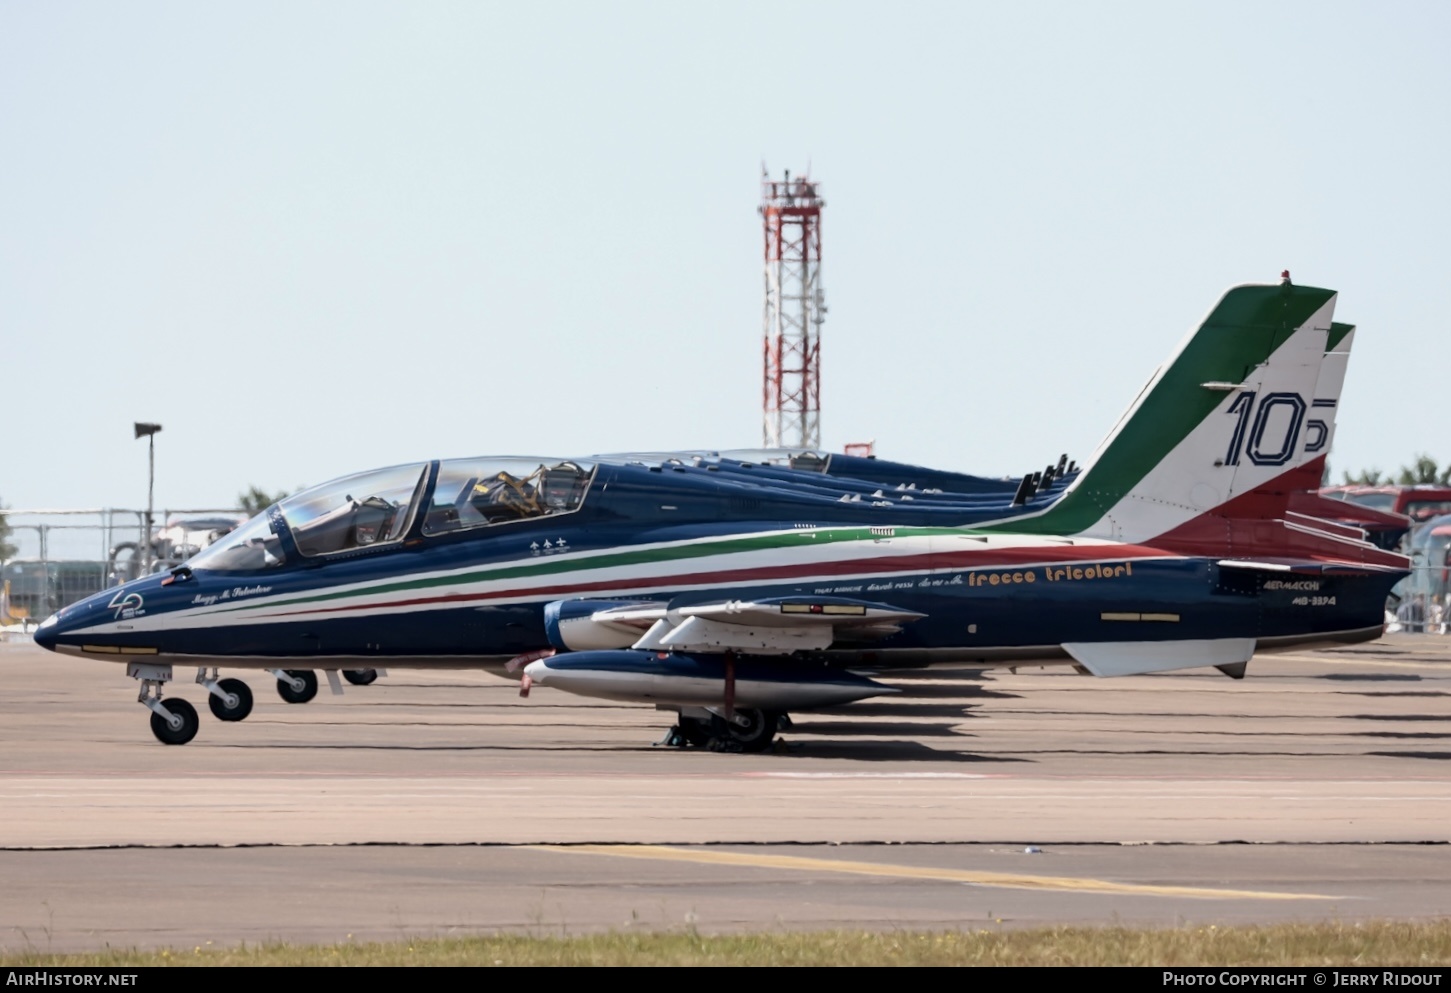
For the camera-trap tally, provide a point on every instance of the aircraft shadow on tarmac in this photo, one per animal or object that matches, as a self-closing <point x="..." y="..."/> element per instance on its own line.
<point x="874" y="750"/>
<point x="1370" y="677"/>
<point x="1418" y="735"/>
<point x="790" y="744"/>
<point x="805" y="724"/>
<point x="964" y="691"/>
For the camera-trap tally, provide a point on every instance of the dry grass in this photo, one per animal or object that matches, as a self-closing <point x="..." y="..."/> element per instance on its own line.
<point x="1368" y="944"/>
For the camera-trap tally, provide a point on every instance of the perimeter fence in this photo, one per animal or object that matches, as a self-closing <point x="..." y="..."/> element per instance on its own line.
<point x="64" y="556"/>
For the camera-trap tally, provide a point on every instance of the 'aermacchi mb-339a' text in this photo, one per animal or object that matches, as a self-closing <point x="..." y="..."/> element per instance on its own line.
<point x="732" y="592"/>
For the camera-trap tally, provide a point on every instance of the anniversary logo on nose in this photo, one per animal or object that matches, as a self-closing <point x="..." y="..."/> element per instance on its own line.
<point x="126" y="606"/>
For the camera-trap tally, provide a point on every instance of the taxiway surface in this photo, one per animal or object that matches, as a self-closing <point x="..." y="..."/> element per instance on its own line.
<point x="441" y="802"/>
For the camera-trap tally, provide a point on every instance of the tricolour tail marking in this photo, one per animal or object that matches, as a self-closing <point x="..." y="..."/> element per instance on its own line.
<point x="1232" y="411"/>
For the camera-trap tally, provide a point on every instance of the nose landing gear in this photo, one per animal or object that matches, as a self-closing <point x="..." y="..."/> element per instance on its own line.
<point x="173" y="722"/>
<point x="178" y="726"/>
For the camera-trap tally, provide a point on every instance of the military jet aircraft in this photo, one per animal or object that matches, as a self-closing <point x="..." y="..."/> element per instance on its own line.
<point x="875" y="483"/>
<point x="855" y="479"/>
<point x="702" y="590"/>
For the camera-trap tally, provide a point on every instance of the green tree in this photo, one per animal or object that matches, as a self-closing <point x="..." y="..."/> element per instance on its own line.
<point x="6" y="549"/>
<point x="1424" y="470"/>
<point x="255" y="500"/>
<point x="1366" y="477"/>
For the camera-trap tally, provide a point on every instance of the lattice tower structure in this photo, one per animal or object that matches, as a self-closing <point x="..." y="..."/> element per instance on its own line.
<point x="795" y="309"/>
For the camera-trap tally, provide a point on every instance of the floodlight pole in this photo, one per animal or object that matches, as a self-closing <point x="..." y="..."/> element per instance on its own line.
<point x="149" y="431"/>
<point x="150" y="495"/>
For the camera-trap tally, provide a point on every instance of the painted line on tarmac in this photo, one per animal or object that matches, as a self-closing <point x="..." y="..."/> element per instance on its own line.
<point x="1004" y="880"/>
<point x="869" y="775"/>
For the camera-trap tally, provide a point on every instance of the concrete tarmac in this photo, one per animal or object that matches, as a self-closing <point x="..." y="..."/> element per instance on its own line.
<point x="442" y="803"/>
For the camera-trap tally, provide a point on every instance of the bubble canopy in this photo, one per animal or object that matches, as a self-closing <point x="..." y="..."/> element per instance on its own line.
<point x="380" y="507"/>
<point x="370" y="508"/>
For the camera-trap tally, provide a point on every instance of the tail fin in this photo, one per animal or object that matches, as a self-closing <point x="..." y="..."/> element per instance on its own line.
<point x="1320" y="427"/>
<point x="1226" y="417"/>
<point x="1307" y="474"/>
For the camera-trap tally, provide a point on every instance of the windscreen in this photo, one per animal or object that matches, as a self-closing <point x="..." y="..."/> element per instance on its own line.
<point x="251" y="547"/>
<point x="1376" y="501"/>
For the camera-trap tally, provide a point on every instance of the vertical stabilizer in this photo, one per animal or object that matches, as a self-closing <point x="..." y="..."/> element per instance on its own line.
<point x="1225" y="417"/>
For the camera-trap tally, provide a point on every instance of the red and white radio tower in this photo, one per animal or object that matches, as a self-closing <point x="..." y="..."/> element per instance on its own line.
<point x="795" y="309"/>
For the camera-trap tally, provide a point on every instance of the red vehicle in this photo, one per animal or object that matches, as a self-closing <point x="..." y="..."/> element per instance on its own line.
<point x="1420" y="503"/>
<point x="1369" y="508"/>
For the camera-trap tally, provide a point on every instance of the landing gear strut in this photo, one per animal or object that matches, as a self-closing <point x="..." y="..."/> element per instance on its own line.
<point x="173" y="722"/>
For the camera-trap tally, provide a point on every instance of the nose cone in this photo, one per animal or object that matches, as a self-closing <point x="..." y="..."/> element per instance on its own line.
<point x="66" y="629"/>
<point x="45" y="635"/>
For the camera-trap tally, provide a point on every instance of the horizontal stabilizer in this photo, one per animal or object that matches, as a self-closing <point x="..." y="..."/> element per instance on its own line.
<point x="1133" y="658"/>
<point x="1301" y="568"/>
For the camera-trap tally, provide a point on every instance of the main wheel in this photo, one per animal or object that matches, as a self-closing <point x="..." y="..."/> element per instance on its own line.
<point x="309" y="686"/>
<point x="168" y="735"/>
<point x="360" y="677"/>
<point x="757" y="733"/>
<point x="241" y="691"/>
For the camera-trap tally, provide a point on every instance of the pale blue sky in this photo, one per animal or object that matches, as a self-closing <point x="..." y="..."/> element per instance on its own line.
<point x="315" y="238"/>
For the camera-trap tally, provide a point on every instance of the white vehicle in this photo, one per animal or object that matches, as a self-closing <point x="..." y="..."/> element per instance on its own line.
<point x="181" y="537"/>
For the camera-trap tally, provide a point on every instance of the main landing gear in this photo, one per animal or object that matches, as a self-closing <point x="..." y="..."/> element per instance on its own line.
<point x="300" y="685"/>
<point x="295" y="685"/>
<point x="230" y="699"/>
<point x="708" y="727"/>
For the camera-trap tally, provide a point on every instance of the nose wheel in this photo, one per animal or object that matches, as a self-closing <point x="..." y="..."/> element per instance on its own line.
<point x="173" y="721"/>
<point x="179" y="725"/>
<point x="360" y="677"/>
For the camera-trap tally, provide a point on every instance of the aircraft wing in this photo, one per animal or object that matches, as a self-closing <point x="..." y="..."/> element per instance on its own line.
<point x="772" y="626"/>
<point x="768" y="626"/>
